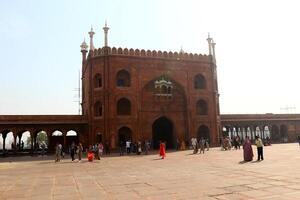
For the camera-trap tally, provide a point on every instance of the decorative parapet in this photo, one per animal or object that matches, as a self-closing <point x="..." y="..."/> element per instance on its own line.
<point x="147" y="53"/>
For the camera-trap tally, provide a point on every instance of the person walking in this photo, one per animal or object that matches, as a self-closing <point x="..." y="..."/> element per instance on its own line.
<point x="194" y="145"/>
<point x="147" y="147"/>
<point x="96" y="151"/>
<point x="121" y="147"/>
<point x="128" y="144"/>
<point x="162" y="150"/>
<point x="207" y="144"/>
<point x="177" y="144"/>
<point x="259" y="145"/>
<point x="79" y="149"/>
<point x="238" y="141"/>
<point x="107" y="148"/>
<point x="202" y="145"/>
<point x="73" y="150"/>
<point x="57" y="152"/>
<point x="139" y="148"/>
<point x="100" y="147"/>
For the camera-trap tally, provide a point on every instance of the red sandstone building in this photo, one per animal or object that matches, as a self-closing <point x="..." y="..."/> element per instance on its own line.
<point x="135" y="95"/>
<point x="143" y="95"/>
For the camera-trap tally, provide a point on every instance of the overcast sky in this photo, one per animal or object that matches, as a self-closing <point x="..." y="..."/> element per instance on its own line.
<point x="257" y="48"/>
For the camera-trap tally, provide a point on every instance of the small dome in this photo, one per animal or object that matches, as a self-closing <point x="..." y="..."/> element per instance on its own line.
<point x="84" y="46"/>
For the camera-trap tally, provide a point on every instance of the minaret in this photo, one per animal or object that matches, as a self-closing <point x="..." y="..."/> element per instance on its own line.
<point x="84" y="48"/>
<point x="209" y="40"/>
<point x="91" y="33"/>
<point x="213" y="44"/>
<point x="105" y="28"/>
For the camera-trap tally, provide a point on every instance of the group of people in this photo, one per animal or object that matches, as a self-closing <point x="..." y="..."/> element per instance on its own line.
<point x="248" y="152"/>
<point x="133" y="147"/>
<point x="96" y="151"/>
<point x="226" y="144"/>
<point x="93" y="151"/>
<point x="74" y="149"/>
<point x="200" y="144"/>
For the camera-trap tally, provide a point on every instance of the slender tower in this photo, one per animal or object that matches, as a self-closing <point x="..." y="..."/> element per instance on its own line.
<point x="91" y="33"/>
<point x="84" y="48"/>
<point x="213" y="44"/>
<point x="209" y="40"/>
<point x="211" y="48"/>
<point x="105" y="28"/>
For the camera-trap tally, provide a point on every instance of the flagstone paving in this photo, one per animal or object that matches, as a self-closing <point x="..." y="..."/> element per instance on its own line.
<point x="182" y="175"/>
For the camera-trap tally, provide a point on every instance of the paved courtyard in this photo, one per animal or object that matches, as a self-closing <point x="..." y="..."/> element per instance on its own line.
<point x="214" y="175"/>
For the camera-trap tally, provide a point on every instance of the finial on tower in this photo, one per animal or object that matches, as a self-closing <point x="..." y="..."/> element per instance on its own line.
<point x="84" y="48"/>
<point x="209" y="40"/>
<point x="105" y="28"/>
<point x="181" y="50"/>
<point x="91" y="33"/>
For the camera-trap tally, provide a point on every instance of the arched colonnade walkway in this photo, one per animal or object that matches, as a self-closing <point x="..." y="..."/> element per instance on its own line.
<point x="279" y="128"/>
<point x="32" y="133"/>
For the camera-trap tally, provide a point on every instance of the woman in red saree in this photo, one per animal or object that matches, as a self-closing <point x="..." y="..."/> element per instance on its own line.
<point x="247" y="148"/>
<point x="90" y="154"/>
<point x="162" y="150"/>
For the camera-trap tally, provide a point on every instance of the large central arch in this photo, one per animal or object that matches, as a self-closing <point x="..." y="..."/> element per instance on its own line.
<point x="162" y="130"/>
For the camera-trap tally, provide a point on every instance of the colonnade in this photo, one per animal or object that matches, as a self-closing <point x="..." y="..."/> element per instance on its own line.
<point x="277" y="133"/>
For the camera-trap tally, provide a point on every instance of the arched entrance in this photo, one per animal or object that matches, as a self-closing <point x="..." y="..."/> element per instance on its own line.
<point x="124" y="134"/>
<point x="72" y="136"/>
<point x="56" y="138"/>
<point x="203" y="132"/>
<point x="162" y="130"/>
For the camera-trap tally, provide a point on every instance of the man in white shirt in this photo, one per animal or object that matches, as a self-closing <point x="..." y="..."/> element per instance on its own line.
<point x="128" y="146"/>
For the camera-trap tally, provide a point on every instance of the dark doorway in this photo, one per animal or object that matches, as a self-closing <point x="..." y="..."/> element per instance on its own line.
<point x="124" y="134"/>
<point x="203" y="132"/>
<point x="162" y="130"/>
<point x="99" y="138"/>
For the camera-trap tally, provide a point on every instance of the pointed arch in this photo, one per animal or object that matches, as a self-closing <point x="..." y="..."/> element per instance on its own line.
<point x="199" y="82"/>
<point x="123" y="78"/>
<point x="123" y="106"/>
<point x="98" y="81"/>
<point x="124" y="134"/>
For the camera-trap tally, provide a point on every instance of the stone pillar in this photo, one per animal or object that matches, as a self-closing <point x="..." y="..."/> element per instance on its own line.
<point x="4" y="137"/>
<point x="32" y="140"/>
<point x="245" y="132"/>
<point x="65" y="141"/>
<point x="20" y="137"/>
<point x="263" y="132"/>
<point x="15" y="144"/>
<point x="253" y="131"/>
